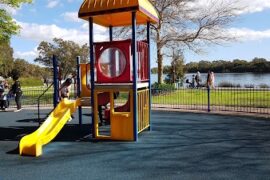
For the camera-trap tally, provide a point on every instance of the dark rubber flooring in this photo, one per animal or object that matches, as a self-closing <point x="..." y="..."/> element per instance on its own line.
<point x="180" y="146"/>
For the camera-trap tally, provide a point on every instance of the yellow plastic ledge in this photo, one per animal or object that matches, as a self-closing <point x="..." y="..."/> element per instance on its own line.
<point x="118" y="12"/>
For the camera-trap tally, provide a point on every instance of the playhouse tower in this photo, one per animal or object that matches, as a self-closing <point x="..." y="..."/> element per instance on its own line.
<point x="120" y="70"/>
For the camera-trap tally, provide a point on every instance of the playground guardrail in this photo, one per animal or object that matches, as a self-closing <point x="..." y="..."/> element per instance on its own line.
<point x="247" y="100"/>
<point x="38" y="101"/>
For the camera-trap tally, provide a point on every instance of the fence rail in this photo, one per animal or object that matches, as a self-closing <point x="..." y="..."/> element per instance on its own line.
<point x="248" y="100"/>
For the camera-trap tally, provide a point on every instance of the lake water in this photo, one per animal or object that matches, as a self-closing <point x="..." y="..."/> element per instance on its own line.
<point x="235" y="78"/>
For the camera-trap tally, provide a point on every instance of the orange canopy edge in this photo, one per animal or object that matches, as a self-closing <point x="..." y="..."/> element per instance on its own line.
<point x="118" y="12"/>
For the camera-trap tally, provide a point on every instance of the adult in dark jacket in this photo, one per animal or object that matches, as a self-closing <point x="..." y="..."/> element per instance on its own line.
<point x="17" y="91"/>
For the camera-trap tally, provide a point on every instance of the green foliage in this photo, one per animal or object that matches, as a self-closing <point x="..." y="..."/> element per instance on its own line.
<point x="163" y="86"/>
<point x="8" y="26"/>
<point x="65" y="51"/>
<point x="154" y="70"/>
<point x="27" y="69"/>
<point x="14" y="3"/>
<point x="15" y="74"/>
<point x="264" y="86"/>
<point x="257" y="65"/>
<point x="6" y="59"/>
<point x="19" y="67"/>
<point x="30" y="82"/>
<point x="228" y="84"/>
<point x="249" y="86"/>
<point x="176" y="70"/>
<point x="166" y="70"/>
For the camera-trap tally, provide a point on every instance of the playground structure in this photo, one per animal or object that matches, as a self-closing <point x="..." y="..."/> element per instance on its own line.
<point x="116" y="67"/>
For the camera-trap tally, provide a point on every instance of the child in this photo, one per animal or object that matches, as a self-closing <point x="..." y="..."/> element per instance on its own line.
<point x="65" y="88"/>
<point x="3" y="96"/>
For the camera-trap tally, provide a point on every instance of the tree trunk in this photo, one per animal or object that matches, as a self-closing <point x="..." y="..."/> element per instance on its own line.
<point x="159" y="57"/>
<point x="160" y="66"/>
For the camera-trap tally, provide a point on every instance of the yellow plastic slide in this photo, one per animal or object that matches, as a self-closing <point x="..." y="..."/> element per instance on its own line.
<point x="32" y="144"/>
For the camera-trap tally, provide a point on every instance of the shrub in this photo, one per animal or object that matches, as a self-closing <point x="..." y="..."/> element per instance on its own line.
<point x="228" y="84"/>
<point x="158" y="89"/>
<point x="249" y="86"/>
<point x="264" y="86"/>
<point x="163" y="86"/>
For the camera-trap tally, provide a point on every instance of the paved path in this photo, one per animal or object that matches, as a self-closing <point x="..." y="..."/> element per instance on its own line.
<point x="180" y="146"/>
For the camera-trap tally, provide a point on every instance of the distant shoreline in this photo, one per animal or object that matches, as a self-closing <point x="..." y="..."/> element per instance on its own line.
<point x="237" y="79"/>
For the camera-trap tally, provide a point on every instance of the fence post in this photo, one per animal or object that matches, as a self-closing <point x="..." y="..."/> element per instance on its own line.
<point x="39" y="122"/>
<point x="208" y="99"/>
<point x="79" y="88"/>
<point x="55" y="81"/>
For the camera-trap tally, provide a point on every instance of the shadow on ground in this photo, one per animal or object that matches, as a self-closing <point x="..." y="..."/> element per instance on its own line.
<point x="70" y="132"/>
<point x="35" y="120"/>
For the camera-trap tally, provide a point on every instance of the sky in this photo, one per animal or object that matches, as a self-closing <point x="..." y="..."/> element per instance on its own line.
<point x="46" y="19"/>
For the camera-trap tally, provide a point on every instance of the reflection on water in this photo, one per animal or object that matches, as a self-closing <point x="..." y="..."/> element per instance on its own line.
<point x="235" y="78"/>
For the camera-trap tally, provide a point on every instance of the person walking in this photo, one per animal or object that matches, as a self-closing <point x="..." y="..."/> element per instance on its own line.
<point x="212" y="79"/>
<point x="198" y="79"/>
<point x="193" y="81"/>
<point x="45" y="82"/>
<point x="208" y="80"/>
<point x="17" y="92"/>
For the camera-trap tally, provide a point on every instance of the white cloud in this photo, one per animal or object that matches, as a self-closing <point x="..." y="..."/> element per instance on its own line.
<point x="245" y="34"/>
<point x="41" y="32"/>
<point x="71" y="16"/>
<point x="252" y="6"/>
<point x="97" y="28"/>
<point x="10" y="10"/>
<point x="246" y="6"/>
<point x="28" y="55"/>
<point x="52" y="4"/>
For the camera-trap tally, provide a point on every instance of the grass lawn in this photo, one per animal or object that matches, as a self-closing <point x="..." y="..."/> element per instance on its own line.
<point x="220" y="97"/>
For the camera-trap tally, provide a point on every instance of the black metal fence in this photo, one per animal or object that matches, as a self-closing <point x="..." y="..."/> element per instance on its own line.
<point x="30" y="97"/>
<point x="248" y="100"/>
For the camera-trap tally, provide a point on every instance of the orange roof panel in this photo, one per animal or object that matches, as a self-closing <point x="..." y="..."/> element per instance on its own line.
<point x="118" y="12"/>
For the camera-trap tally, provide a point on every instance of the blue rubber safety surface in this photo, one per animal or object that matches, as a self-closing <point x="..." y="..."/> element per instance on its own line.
<point x="180" y="146"/>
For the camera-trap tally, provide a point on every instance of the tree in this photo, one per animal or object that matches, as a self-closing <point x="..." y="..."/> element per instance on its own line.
<point x="204" y="66"/>
<point x="6" y="59"/>
<point x="257" y="65"/>
<point x="191" y="67"/>
<point x="15" y="73"/>
<point x="260" y="65"/>
<point x="8" y="26"/>
<point x="66" y="53"/>
<point x="26" y="69"/>
<point x="240" y="66"/>
<point x="176" y="70"/>
<point x="189" y="24"/>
